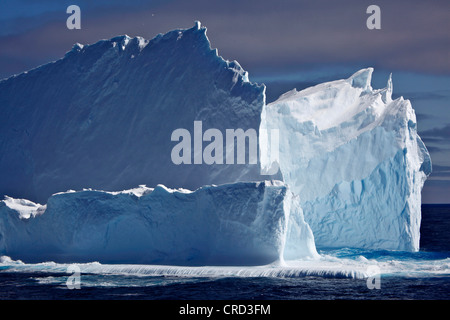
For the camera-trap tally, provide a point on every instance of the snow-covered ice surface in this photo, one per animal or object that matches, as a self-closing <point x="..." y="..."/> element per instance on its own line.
<point x="235" y="224"/>
<point x="354" y="156"/>
<point x="102" y="116"/>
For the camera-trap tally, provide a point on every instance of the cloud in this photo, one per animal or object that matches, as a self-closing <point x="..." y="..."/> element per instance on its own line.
<point x="439" y="168"/>
<point x="437" y="141"/>
<point x="434" y="149"/>
<point x="430" y="139"/>
<point x="259" y="34"/>
<point x="441" y="175"/>
<point x="437" y="95"/>
<point x="440" y="172"/>
<point x="436" y="191"/>
<point x="440" y="133"/>
<point x="423" y="116"/>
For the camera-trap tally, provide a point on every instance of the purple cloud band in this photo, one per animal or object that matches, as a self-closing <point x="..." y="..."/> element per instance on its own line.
<point x="259" y="34"/>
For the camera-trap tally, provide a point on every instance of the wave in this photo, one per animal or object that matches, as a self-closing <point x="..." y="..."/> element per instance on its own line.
<point x="342" y="263"/>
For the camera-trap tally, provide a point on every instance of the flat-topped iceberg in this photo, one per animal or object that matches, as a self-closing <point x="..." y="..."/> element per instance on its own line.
<point x="233" y="224"/>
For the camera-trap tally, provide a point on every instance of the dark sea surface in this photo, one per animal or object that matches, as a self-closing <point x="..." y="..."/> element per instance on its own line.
<point x="424" y="275"/>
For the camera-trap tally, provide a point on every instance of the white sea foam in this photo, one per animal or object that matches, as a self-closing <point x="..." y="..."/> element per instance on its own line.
<point x="327" y="266"/>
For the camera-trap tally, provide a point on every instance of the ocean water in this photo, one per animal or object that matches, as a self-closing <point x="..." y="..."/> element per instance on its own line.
<point x="351" y="274"/>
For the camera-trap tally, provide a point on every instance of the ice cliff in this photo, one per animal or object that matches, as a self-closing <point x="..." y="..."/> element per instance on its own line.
<point x="237" y="224"/>
<point x="102" y="116"/>
<point x="354" y="156"/>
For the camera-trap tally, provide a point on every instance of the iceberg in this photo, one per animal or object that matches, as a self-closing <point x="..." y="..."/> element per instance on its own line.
<point x="238" y="224"/>
<point x="354" y="156"/>
<point x="102" y="116"/>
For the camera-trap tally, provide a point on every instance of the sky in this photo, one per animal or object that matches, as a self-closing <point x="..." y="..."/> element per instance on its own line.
<point x="284" y="44"/>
